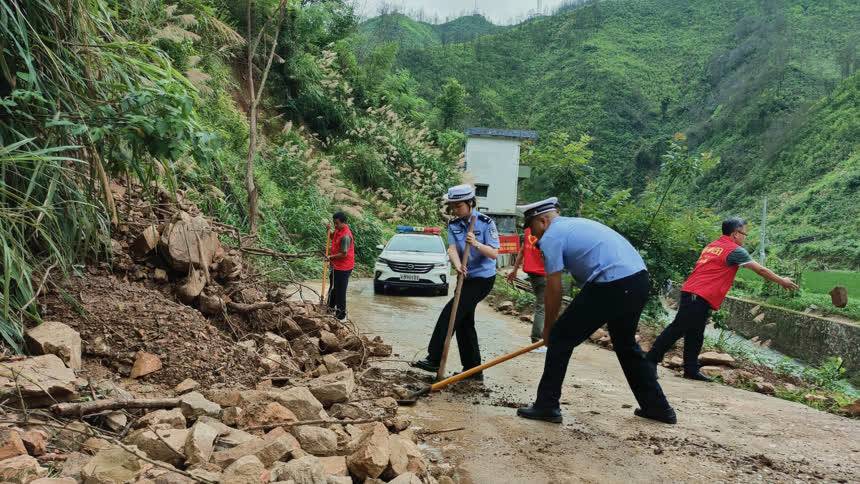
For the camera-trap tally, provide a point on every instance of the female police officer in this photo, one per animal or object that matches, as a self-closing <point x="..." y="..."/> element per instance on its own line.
<point x="480" y="274"/>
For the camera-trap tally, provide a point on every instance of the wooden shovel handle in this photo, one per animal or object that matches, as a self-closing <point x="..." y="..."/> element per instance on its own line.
<point x="495" y="361"/>
<point x="455" y="305"/>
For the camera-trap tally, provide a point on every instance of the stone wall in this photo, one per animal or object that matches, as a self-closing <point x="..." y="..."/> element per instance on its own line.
<point x="804" y="336"/>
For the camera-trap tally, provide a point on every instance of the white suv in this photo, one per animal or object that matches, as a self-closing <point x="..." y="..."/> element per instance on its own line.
<point x="415" y="257"/>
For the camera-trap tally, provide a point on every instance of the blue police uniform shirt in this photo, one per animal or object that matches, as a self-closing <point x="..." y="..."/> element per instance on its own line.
<point x="486" y="233"/>
<point x="589" y="250"/>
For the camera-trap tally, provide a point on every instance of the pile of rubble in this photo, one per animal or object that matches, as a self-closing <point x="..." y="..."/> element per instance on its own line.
<point x="175" y="363"/>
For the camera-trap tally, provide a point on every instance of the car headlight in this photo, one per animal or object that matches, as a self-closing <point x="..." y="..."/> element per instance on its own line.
<point x="383" y="261"/>
<point x="441" y="265"/>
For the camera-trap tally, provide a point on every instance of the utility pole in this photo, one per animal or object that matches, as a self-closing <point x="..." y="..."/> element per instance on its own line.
<point x="761" y="251"/>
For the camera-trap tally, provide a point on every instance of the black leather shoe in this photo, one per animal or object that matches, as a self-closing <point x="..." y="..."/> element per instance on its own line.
<point x="666" y="416"/>
<point x="697" y="376"/>
<point x="535" y="413"/>
<point x="426" y="365"/>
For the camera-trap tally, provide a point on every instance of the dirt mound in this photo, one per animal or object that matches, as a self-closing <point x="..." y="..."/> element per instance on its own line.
<point x="117" y="318"/>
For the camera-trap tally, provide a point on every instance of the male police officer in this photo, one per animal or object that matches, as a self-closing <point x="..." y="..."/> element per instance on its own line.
<point x="480" y="274"/>
<point x="705" y="290"/>
<point x="614" y="291"/>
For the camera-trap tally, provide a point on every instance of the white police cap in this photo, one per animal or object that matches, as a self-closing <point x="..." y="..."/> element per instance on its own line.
<point x="533" y="209"/>
<point x="459" y="193"/>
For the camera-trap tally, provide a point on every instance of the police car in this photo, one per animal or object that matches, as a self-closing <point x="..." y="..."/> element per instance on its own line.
<point x="415" y="257"/>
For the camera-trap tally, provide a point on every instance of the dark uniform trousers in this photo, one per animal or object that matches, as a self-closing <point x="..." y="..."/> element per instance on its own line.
<point x="689" y="323"/>
<point x="618" y="304"/>
<point x="474" y="291"/>
<point x="338" y="281"/>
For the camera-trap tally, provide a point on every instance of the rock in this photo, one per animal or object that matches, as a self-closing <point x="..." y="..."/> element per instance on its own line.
<point x="852" y="410"/>
<point x="790" y="387"/>
<point x="406" y="478"/>
<point x="348" y="411"/>
<point x="304" y="470"/>
<point x="446" y="480"/>
<point x="245" y="470"/>
<point x="839" y="296"/>
<point x="271" y="448"/>
<point x="764" y="387"/>
<point x="113" y="465"/>
<point x="716" y="359"/>
<point x="11" y="444"/>
<point x="145" y="243"/>
<point x="54" y="480"/>
<point x="35" y="441"/>
<point x="21" y="469"/>
<point x="232" y="416"/>
<point x="334" y="466"/>
<point x="505" y="306"/>
<point x="194" y="405"/>
<point x="400" y="423"/>
<point x="191" y="286"/>
<point x="372" y="453"/>
<point x="211" y="305"/>
<point x="55" y="338"/>
<point x="75" y="461"/>
<point x="333" y="365"/>
<point x="673" y="362"/>
<point x="387" y="403"/>
<point x="36" y="376"/>
<point x="186" y="386"/>
<point x="189" y="242"/>
<point x="333" y="388"/>
<point x="329" y="342"/>
<point x="759" y="318"/>
<point x="276" y="341"/>
<point x="209" y="475"/>
<point x="265" y="414"/>
<point x="227" y="435"/>
<point x="172" y="418"/>
<point x="405" y="456"/>
<point x="301" y="402"/>
<point x="199" y="443"/>
<point x="349" y="358"/>
<point x="144" y="364"/>
<point x="380" y="349"/>
<point x="271" y="361"/>
<point x="339" y="480"/>
<point x="159" y="275"/>
<point x="813" y="398"/>
<point x="94" y="445"/>
<point x="316" y="440"/>
<point x="116" y="421"/>
<point x="712" y="371"/>
<point x="161" y="444"/>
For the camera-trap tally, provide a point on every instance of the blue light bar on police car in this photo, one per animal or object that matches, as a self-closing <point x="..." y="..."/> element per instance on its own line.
<point x="410" y="229"/>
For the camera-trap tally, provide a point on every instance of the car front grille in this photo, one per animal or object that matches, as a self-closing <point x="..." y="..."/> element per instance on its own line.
<point x="409" y="267"/>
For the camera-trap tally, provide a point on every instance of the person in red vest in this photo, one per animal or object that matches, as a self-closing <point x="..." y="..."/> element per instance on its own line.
<point x="705" y="290"/>
<point x="342" y="260"/>
<point x="531" y="260"/>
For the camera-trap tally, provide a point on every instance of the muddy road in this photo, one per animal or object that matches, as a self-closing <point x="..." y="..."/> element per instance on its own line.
<point x="723" y="434"/>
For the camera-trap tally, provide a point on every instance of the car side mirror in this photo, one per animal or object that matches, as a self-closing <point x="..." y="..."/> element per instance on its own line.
<point x="380" y="247"/>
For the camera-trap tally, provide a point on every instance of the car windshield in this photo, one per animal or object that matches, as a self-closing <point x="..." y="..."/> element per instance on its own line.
<point x="416" y="243"/>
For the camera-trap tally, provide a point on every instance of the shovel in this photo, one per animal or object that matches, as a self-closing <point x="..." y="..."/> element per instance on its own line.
<point x="413" y="397"/>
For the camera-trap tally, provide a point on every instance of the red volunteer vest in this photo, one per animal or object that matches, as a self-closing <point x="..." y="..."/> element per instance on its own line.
<point x="532" y="258"/>
<point x="345" y="263"/>
<point x="713" y="277"/>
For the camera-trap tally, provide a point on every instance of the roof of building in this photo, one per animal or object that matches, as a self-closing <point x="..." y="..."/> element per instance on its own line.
<point x="502" y="133"/>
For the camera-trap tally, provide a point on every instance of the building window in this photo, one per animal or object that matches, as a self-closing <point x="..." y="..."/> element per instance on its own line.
<point x="481" y="190"/>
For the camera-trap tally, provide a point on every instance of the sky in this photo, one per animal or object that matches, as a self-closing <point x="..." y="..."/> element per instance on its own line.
<point x="497" y="11"/>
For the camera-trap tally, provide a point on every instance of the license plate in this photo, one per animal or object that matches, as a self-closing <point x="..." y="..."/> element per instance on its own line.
<point x="409" y="277"/>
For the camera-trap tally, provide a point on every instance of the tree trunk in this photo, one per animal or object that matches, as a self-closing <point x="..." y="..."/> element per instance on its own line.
<point x="250" y="184"/>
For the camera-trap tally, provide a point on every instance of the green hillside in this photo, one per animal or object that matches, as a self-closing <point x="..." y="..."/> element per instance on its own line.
<point x="762" y="84"/>
<point x="408" y="33"/>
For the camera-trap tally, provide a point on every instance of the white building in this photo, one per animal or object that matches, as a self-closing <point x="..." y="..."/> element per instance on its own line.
<point x="493" y="166"/>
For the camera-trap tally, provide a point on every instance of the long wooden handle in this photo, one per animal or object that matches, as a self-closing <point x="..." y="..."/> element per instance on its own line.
<point x="495" y="361"/>
<point x="325" y="262"/>
<point x="455" y="305"/>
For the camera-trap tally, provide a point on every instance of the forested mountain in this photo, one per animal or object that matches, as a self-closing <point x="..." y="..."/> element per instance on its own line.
<point x="411" y="34"/>
<point x="768" y="86"/>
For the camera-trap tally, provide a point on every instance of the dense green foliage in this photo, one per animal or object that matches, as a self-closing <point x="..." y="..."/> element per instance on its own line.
<point x="767" y="86"/>
<point x="155" y="91"/>
<point x="414" y="34"/>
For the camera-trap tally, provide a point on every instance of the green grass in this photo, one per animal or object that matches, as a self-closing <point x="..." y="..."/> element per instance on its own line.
<point x="819" y="282"/>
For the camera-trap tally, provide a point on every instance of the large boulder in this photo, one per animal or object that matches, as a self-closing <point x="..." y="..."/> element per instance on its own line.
<point x="113" y="465"/>
<point x="21" y="470"/>
<point x="195" y="405"/>
<point x="301" y="402"/>
<point x="189" y="242"/>
<point x="55" y="338"/>
<point x="405" y="457"/>
<point x="334" y="466"/>
<point x="160" y="418"/>
<point x="304" y="470"/>
<point x="199" y="443"/>
<point x="316" y="440"/>
<point x="406" y="478"/>
<point x="11" y="444"/>
<point x="161" y="444"/>
<point x="269" y="449"/>
<point x="41" y="380"/>
<point x="333" y="388"/>
<point x="145" y="243"/>
<point x="245" y="470"/>
<point x="228" y="436"/>
<point x="262" y="414"/>
<point x="372" y="453"/>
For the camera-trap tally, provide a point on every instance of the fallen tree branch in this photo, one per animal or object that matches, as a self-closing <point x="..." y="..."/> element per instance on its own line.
<point x="276" y="254"/>
<point x="314" y="422"/>
<point x="86" y="408"/>
<point x="249" y="308"/>
<point x="442" y="431"/>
